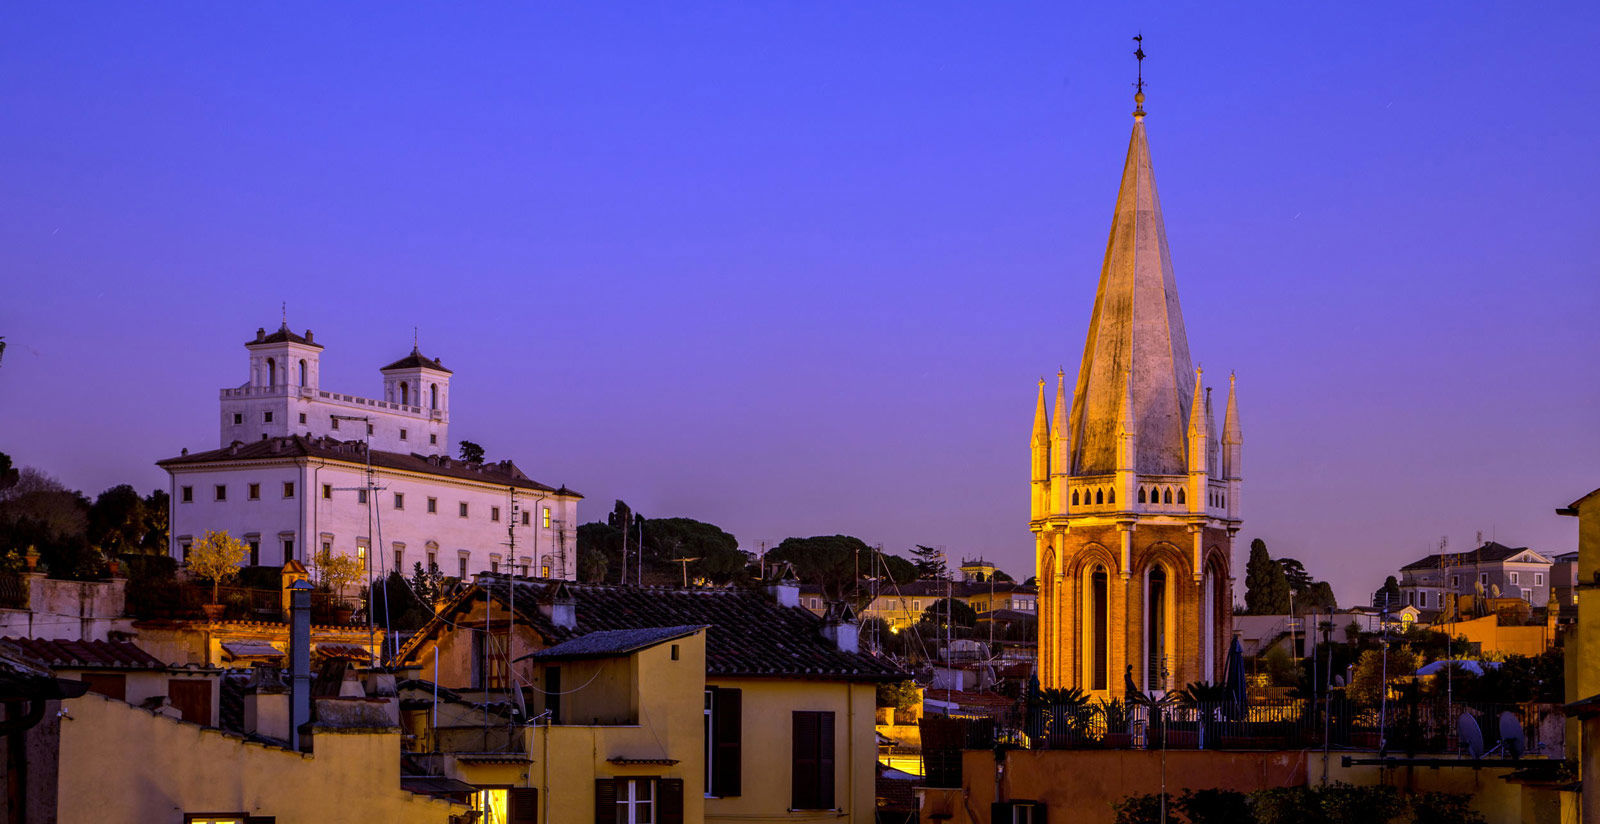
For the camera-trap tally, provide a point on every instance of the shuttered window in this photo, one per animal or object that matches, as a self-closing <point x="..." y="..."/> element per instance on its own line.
<point x="524" y="803"/>
<point x="638" y="801"/>
<point x="724" y="715"/>
<point x="812" y="783"/>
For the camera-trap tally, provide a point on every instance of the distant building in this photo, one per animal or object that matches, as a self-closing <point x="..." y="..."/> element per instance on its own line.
<point x="1513" y="572"/>
<point x="292" y="477"/>
<point x="1564" y="580"/>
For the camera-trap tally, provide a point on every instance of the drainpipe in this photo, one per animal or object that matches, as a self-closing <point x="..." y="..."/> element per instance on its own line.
<point x="850" y="749"/>
<point x="299" y="659"/>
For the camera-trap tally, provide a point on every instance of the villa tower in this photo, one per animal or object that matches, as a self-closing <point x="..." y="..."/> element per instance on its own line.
<point x="1135" y="489"/>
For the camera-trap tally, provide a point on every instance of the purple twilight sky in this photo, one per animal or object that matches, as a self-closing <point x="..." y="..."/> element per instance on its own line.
<point x="794" y="268"/>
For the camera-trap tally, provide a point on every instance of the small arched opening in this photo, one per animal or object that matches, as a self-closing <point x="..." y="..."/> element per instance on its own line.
<point x="405" y="394"/>
<point x="303" y="379"/>
<point x="272" y="372"/>
<point x="1180" y="495"/>
<point x="1099" y="496"/>
<point x="1166" y="496"/>
<point x="433" y="395"/>
<point x="1141" y="495"/>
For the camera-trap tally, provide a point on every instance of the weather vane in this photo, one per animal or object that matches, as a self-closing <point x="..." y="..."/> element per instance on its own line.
<point x="1138" y="53"/>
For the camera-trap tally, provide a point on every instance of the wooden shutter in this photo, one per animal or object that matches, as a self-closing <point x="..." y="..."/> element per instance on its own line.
<point x="192" y="699"/>
<point x="669" y="801"/>
<point x="726" y="715"/>
<point x="524" y="805"/>
<point x="825" y="761"/>
<point x="803" y="768"/>
<point x="109" y="684"/>
<point x="605" y="801"/>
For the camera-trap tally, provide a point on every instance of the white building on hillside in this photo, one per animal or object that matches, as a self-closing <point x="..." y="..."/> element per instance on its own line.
<point x="286" y="485"/>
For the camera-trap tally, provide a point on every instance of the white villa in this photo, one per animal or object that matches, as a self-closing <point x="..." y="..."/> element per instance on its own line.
<point x="388" y="493"/>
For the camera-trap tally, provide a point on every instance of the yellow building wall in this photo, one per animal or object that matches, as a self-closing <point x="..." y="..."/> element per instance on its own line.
<point x="1502" y="640"/>
<point x="120" y="763"/>
<point x="767" y="746"/>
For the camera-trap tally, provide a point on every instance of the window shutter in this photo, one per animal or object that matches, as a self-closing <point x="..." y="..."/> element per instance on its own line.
<point x="605" y="801"/>
<point x="804" y="762"/>
<point x="727" y="712"/>
<point x="669" y="800"/>
<point x="1000" y="812"/>
<point x="825" y="761"/>
<point x="524" y="802"/>
<point x="1038" y="812"/>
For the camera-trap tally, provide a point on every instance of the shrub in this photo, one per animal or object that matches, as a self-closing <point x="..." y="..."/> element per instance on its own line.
<point x="1141" y="809"/>
<point x="1215" y="807"/>
<point x="1443" y="808"/>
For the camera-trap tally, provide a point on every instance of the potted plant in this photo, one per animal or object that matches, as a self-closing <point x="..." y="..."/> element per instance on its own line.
<point x="216" y="558"/>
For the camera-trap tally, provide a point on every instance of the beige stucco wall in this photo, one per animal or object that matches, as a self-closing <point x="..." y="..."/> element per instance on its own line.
<point x="155" y="769"/>
<point x="768" y="734"/>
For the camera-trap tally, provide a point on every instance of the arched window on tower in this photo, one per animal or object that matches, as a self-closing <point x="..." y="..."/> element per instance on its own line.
<point x="1099" y="496"/>
<point x="272" y="372"/>
<point x="1111" y="497"/>
<point x="433" y="395"/>
<point x="1166" y="497"/>
<point x="1141" y="495"/>
<point x="1155" y="629"/>
<point x="1096" y="661"/>
<point x="405" y="394"/>
<point x="1180" y="495"/>
<point x="303" y="378"/>
<point x="1074" y="497"/>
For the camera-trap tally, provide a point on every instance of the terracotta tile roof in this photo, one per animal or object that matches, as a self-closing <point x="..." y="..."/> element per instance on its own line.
<point x="1489" y="553"/>
<point x="87" y="654"/>
<point x="502" y="473"/>
<point x="748" y="634"/>
<point x="283" y="335"/>
<point x="415" y="360"/>
<point x="611" y="643"/>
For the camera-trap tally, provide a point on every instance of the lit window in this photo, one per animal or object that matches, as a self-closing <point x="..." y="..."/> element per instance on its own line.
<point x="545" y="517"/>
<point x="361" y="554"/>
<point x="288" y="489"/>
<point x="544" y="570"/>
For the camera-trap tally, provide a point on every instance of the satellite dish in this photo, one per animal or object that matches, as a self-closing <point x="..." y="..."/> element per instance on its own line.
<point x="1511" y="734"/>
<point x="1471" y="737"/>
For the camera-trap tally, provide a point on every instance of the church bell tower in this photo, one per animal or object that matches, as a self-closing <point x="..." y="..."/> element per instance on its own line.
<point x="1134" y="502"/>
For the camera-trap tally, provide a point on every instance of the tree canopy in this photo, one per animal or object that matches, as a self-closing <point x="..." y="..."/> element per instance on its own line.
<point x="929" y="562"/>
<point x="716" y="553"/>
<point x="1266" y="588"/>
<point x="834" y="562"/>
<point x="471" y="452"/>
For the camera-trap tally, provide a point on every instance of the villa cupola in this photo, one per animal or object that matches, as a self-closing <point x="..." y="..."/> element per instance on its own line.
<point x="417" y="380"/>
<point x="283" y="359"/>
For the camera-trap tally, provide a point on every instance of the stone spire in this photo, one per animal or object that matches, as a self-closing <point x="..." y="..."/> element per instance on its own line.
<point x="1232" y="439"/>
<point x="1040" y="452"/>
<point x="1060" y="448"/>
<point x="1137" y="353"/>
<point x="1199" y="427"/>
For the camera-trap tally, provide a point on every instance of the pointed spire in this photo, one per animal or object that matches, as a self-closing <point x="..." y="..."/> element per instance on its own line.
<point x="1059" y="443"/>
<point x="1199" y="427"/>
<point x="1041" y="420"/>
<point x="1232" y="438"/>
<point x="1136" y="343"/>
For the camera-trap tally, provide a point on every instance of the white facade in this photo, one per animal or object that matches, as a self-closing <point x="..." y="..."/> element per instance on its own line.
<point x="283" y="397"/>
<point x="293" y="488"/>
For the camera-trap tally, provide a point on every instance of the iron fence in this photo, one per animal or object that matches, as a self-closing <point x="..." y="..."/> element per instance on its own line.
<point x="13" y="591"/>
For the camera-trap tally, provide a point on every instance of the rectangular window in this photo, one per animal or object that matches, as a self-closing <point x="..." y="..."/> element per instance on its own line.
<point x="433" y="505"/>
<point x="1514" y="578"/>
<point x="335" y="422"/>
<point x="399" y="500"/>
<point x="254" y="492"/>
<point x="544" y="570"/>
<point x="552" y="694"/>
<point x="1538" y="579"/>
<point x="723" y="722"/>
<point x="361" y="496"/>
<point x="238" y="418"/>
<point x="288" y="489"/>
<point x="463" y="574"/>
<point x="524" y="519"/>
<point x="400" y="561"/>
<point x="524" y="569"/>
<point x="255" y="553"/>
<point x="494" y="514"/>
<point x="222" y="492"/>
<point x="361" y="554"/>
<point x="402" y="434"/>
<point x="302" y="417"/>
<point x="545" y="517"/>
<point x="186" y="494"/>
<point x="433" y="562"/>
<point x="463" y="509"/>
<point x="1016" y="812"/>
<point x="288" y="549"/>
<point x="489" y="660"/>
<point x="327" y="492"/>
<point x="185" y="547"/>
<point x="812" y="761"/>
<point x="266" y="417"/>
<point x="369" y="429"/>
<point x="494" y="564"/>
<point x="433" y="440"/>
<point x="1455" y="581"/>
<point x="638" y="800"/>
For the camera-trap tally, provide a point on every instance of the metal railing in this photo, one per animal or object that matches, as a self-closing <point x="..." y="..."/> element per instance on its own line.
<point x="13" y="591"/>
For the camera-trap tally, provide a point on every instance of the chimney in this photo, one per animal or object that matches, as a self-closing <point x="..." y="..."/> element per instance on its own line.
<point x="261" y="333"/>
<point x="784" y="586"/>
<point x="839" y="625"/>
<point x="560" y="607"/>
<point x="309" y="339"/>
<point x="266" y="704"/>
<point x="299" y="659"/>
